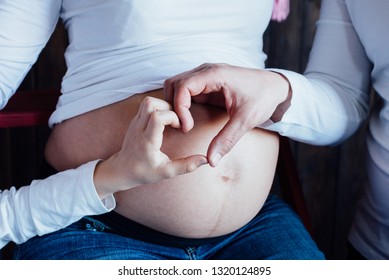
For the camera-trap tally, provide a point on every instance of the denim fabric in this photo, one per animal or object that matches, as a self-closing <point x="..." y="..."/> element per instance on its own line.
<point x="275" y="233"/>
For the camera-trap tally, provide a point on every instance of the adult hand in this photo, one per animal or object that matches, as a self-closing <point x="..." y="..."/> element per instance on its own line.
<point x="251" y="97"/>
<point x="140" y="160"/>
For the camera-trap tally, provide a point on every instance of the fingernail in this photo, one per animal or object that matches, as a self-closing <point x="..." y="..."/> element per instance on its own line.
<point x="203" y="161"/>
<point x="215" y="159"/>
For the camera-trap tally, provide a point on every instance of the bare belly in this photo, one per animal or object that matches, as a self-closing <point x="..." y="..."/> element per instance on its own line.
<point x="208" y="202"/>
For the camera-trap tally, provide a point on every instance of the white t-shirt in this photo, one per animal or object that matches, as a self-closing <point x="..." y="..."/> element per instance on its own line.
<point x="120" y="48"/>
<point x="116" y="49"/>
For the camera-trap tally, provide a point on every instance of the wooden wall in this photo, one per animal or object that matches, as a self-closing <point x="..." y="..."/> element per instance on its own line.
<point x="332" y="177"/>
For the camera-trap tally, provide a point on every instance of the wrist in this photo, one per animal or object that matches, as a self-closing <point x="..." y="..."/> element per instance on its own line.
<point x="101" y="180"/>
<point x="106" y="180"/>
<point x="285" y="92"/>
<point x="114" y="175"/>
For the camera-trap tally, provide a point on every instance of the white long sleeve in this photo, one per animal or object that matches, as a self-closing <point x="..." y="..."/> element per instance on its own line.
<point x="25" y="29"/>
<point x="318" y="115"/>
<point x="332" y="98"/>
<point x="50" y="204"/>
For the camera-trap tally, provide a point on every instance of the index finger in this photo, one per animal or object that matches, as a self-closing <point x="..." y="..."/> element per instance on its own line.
<point x="170" y="83"/>
<point x="181" y="99"/>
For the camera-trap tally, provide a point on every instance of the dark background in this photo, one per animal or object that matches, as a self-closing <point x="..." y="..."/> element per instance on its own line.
<point x="332" y="177"/>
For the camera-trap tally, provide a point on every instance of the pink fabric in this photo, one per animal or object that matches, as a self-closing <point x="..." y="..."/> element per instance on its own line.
<point x="280" y="10"/>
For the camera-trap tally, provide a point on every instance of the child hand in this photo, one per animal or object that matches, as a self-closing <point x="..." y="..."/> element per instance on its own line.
<point x="140" y="160"/>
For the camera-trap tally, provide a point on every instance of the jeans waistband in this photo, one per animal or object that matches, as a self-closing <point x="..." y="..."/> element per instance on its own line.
<point x="121" y="225"/>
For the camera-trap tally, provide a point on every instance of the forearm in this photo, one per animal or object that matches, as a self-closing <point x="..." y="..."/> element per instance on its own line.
<point x="51" y="204"/>
<point x="318" y="114"/>
<point x="332" y="98"/>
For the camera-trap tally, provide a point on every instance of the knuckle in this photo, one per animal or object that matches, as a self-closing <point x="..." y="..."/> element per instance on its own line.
<point x="208" y="65"/>
<point x="148" y="102"/>
<point x="215" y="69"/>
<point x="190" y="167"/>
<point x="217" y="66"/>
<point x="169" y="171"/>
<point x="167" y="82"/>
<point x="227" y="145"/>
<point x="179" y="84"/>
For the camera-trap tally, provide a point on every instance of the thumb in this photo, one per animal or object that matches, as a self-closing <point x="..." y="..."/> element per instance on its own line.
<point x="184" y="165"/>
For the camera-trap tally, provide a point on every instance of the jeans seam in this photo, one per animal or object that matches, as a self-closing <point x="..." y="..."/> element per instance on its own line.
<point x="93" y="224"/>
<point x="191" y="252"/>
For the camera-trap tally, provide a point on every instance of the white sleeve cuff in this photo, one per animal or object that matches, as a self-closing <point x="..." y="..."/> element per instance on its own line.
<point x="98" y="205"/>
<point x="318" y="115"/>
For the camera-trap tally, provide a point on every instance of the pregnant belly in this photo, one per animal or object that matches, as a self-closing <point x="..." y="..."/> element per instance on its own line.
<point x="208" y="202"/>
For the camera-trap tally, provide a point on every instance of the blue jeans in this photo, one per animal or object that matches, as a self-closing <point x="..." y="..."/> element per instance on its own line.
<point x="275" y="233"/>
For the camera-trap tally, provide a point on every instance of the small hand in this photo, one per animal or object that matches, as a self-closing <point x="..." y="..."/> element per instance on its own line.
<point x="140" y="160"/>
